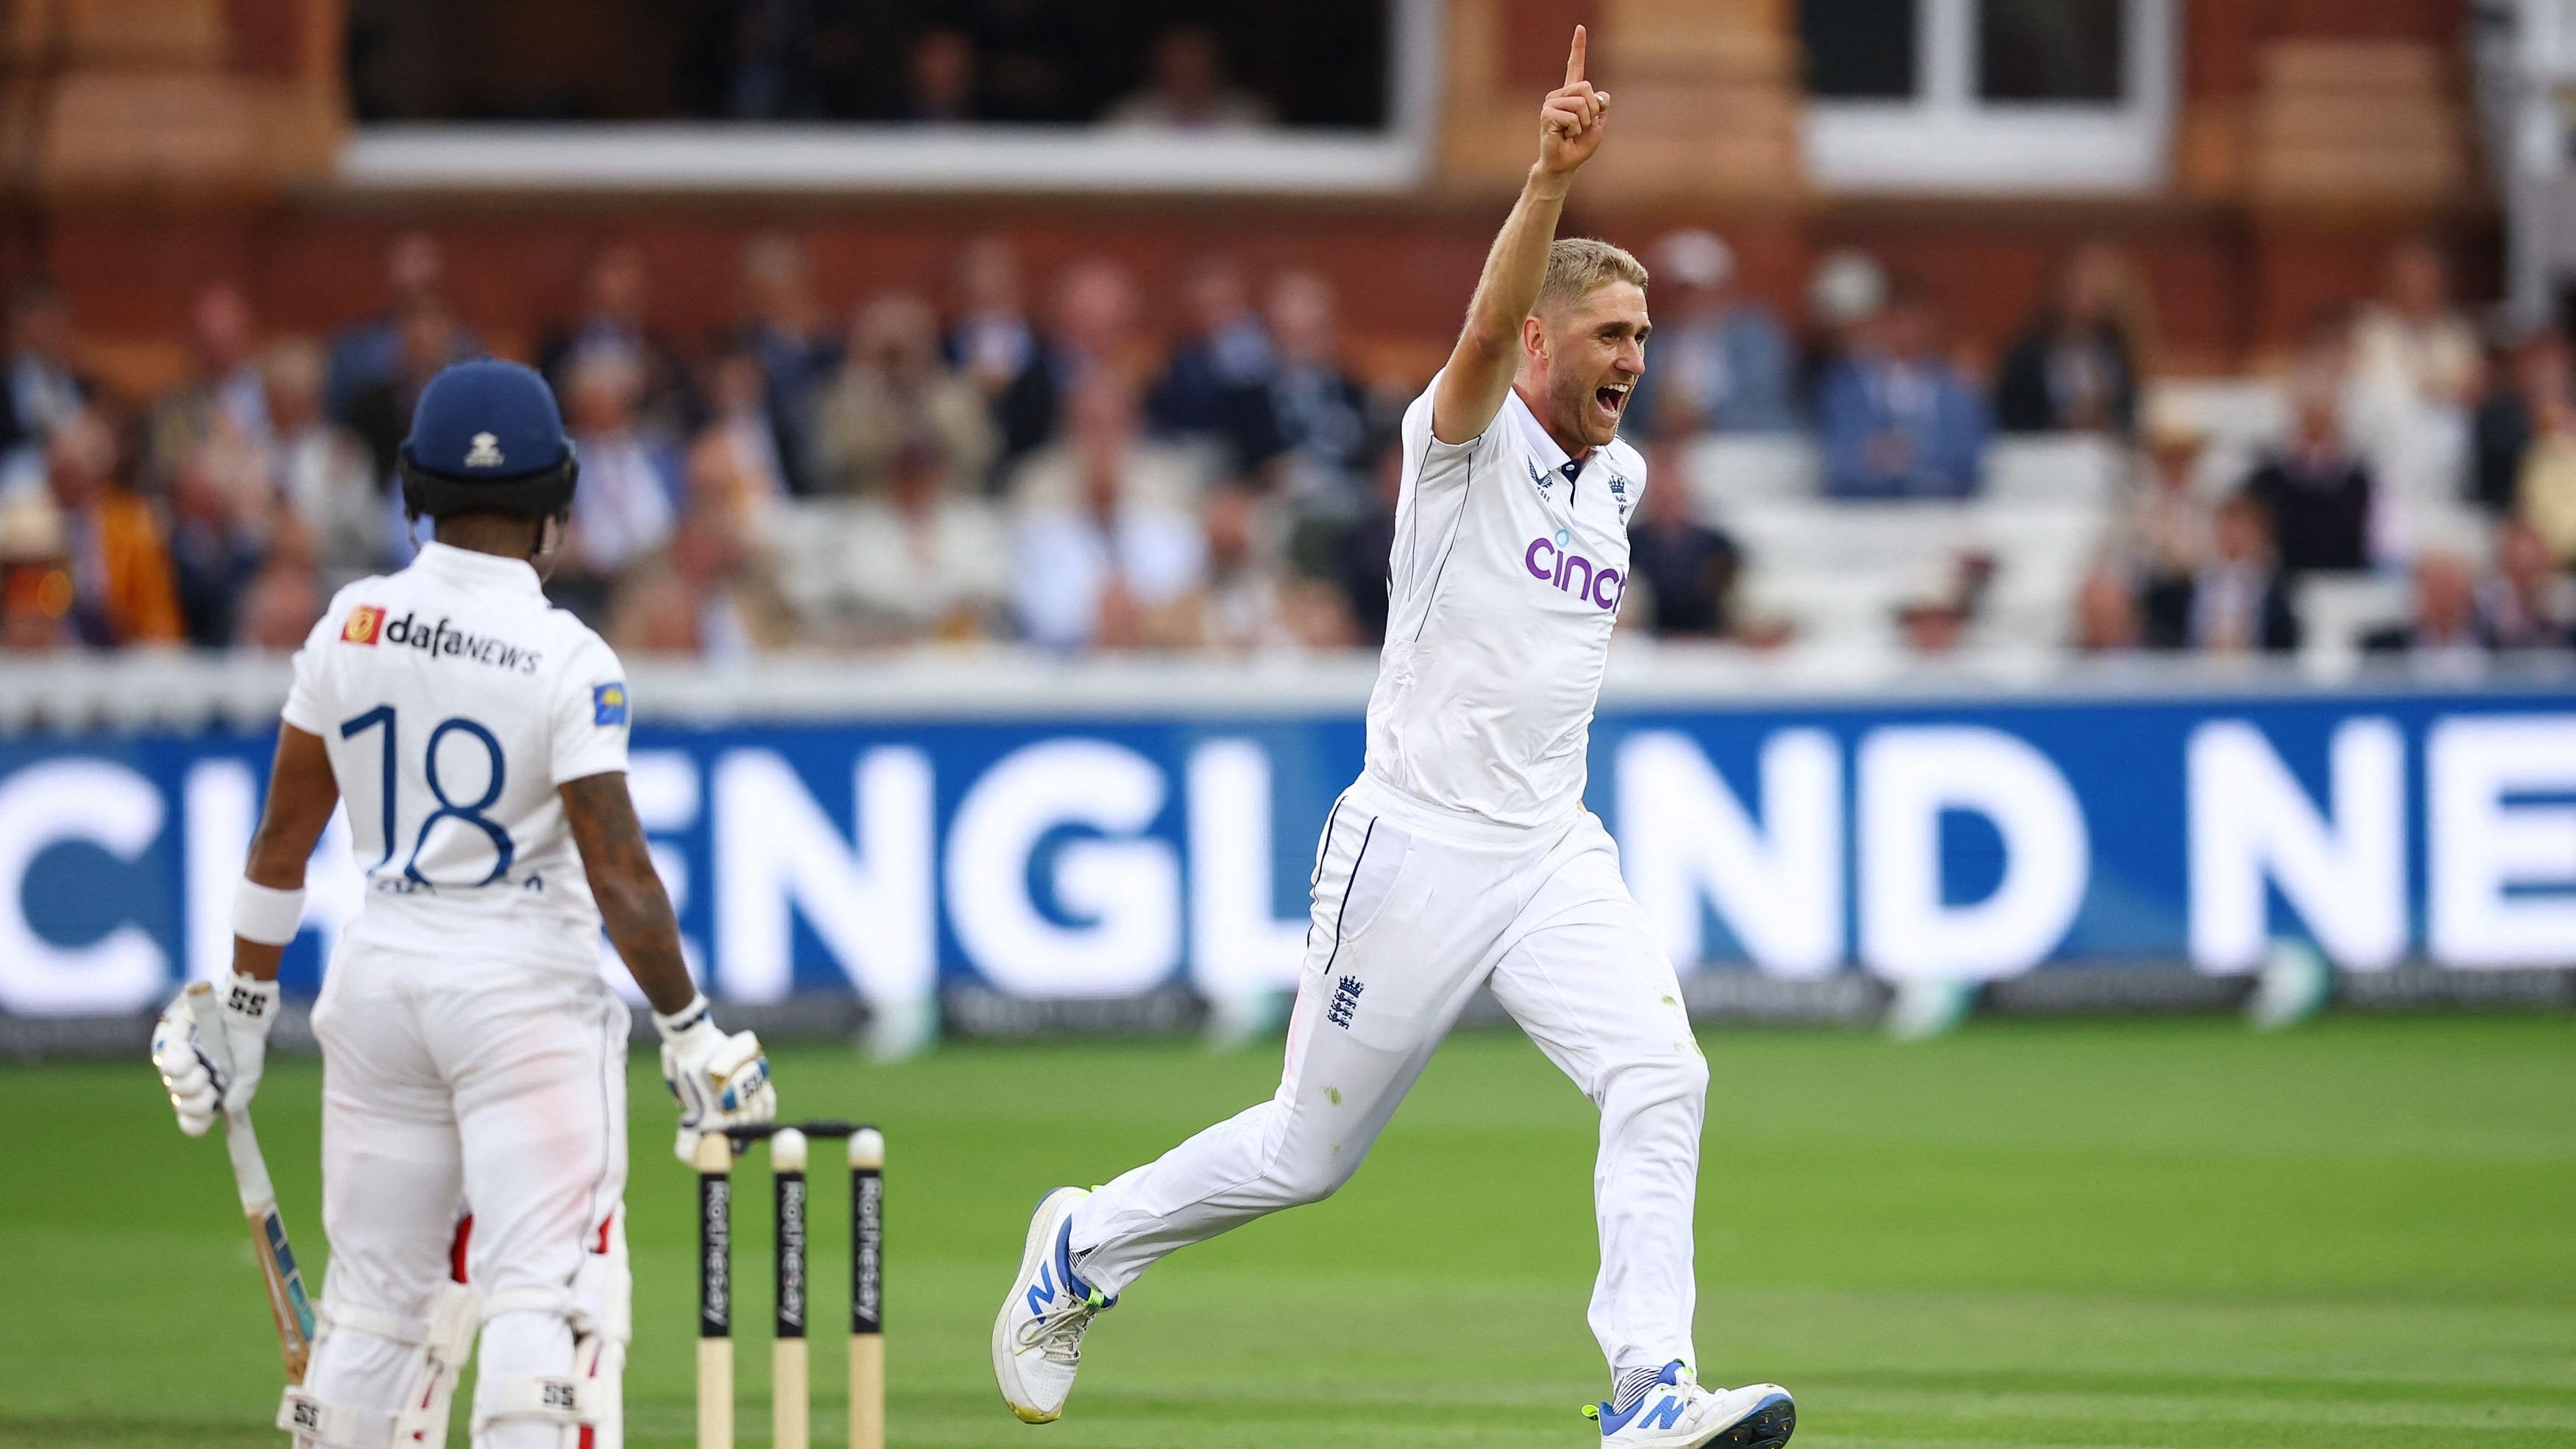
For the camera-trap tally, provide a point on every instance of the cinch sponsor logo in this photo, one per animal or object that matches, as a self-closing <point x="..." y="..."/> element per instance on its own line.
<point x="1553" y="561"/>
<point x="365" y="621"/>
<point x="442" y="639"/>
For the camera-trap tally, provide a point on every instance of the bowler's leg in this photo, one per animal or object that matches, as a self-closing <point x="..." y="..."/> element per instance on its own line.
<point x="1387" y="973"/>
<point x="1587" y="980"/>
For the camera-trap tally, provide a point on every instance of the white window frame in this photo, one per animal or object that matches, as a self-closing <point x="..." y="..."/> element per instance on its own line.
<point x="735" y="156"/>
<point x="1945" y="139"/>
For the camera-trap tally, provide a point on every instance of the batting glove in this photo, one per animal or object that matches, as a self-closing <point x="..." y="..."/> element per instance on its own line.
<point x="187" y="1073"/>
<point x="204" y="1077"/>
<point x="720" y="1080"/>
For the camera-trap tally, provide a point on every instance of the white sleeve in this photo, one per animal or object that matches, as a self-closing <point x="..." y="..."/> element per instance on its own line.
<point x="307" y="707"/>
<point x="1429" y="463"/>
<point x="590" y="712"/>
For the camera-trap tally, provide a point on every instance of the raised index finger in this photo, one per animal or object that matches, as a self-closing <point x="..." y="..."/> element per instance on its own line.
<point x="1574" y="58"/>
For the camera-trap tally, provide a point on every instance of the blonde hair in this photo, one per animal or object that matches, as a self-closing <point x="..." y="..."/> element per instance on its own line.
<point x="1578" y="264"/>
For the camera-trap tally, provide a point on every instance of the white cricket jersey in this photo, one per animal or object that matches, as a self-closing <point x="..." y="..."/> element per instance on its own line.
<point x="1509" y="563"/>
<point x="453" y="700"/>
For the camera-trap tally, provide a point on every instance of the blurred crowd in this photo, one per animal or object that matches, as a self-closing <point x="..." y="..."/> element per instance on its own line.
<point x="1019" y="458"/>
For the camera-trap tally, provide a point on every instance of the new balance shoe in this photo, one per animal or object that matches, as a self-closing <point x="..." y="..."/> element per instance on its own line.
<point x="1037" y="1339"/>
<point x="1676" y="1413"/>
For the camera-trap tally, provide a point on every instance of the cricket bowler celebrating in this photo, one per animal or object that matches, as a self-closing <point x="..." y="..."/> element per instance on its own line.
<point x="1463" y="856"/>
<point x="474" y="1060"/>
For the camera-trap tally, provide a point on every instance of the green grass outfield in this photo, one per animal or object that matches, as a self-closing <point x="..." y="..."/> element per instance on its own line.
<point x="2150" y="1233"/>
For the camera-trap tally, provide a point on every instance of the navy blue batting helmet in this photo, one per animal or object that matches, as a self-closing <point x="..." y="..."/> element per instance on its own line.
<point x="486" y="437"/>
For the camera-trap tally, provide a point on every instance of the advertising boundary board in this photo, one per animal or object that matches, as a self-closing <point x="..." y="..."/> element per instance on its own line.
<point x="1103" y="855"/>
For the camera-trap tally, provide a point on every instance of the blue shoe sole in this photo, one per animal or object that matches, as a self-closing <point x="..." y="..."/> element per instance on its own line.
<point x="1767" y="1427"/>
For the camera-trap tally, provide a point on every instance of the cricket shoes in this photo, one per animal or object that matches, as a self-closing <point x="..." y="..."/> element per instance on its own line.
<point x="1037" y="1340"/>
<point x="1676" y="1413"/>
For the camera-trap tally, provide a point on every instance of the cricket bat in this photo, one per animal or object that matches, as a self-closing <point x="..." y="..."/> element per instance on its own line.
<point x="287" y="1303"/>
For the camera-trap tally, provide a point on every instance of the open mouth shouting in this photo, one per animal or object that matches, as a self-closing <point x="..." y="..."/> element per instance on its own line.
<point x="1612" y="399"/>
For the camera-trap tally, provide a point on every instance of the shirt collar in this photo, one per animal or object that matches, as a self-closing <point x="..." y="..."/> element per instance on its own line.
<point x="482" y="570"/>
<point x="1541" y="441"/>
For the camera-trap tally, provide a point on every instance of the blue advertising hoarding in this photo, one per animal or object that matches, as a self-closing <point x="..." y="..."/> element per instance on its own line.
<point x="1111" y="854"/>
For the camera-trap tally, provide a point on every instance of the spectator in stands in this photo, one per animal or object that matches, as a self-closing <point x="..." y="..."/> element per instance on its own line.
<point x="371" y="352"/>
<point x="2322" y="501"/>
<point x="1898" y="419"/>
<point x="1244" y="608"/>
<point x="2545" y="495"/>
<point x="1109" y="551"/>
<point x="784" y="328"/>
<point x="939" y="78"/>
<point x="1934" y="617"/>
<point x="221" y="394"/>
<point x="735" y="456"/>
<point x="1846" y="291"/>
<point x="381" y="414"/>
<point x="996" y="347"/>
<point x="2415" y="372"/>
<point x="2106" y="612"/>
<point x="929" y="557"/>
<point x="2501" y="429"/>
<point x="1094" y="327"/>
<point x="624" y="508"/>
<point x="35" y="575"/>
<point x="2413" y="343"/>
<point x="1217" y="384"/>
<point x="1326" y="423"/>
<point x="120" y="566"/>
<point x="2169" y="523"/>
<point x="2076" y="368"/>
<point x="1722" y="361"/>
<point x="616" y="312"/>
<point x="282" y="602"/>
<point x="39" y="387"/>
<point x="319" y="468"/>
<point x="1688" y="567"/>
<point x="1931" y="625"/>
<point x="893" y="387"/>
<point x="1187" y="90"/>
<point x="700" y="592"/>
<point x="2528" y="604"/>
<point x="2236" y="602"/>
<point x="2443" y="636"/>
<point x="222" y="515"/>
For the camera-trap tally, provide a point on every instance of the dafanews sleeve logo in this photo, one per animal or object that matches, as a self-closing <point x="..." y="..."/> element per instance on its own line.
<point x="446" y="641"/>
<point x="366" y="621"/>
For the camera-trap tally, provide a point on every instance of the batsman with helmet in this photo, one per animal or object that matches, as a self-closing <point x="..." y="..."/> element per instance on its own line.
<point x="473" y="1056"/>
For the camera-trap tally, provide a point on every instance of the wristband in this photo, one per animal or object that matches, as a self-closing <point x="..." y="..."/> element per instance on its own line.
<point x="679" y="1023"/>
<point x="267" y="916"/>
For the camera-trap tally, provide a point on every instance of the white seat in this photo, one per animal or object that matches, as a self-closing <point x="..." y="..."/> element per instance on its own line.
<point x="2338" y="609"/>
<point x="2050" y="468"/>
<point x="1732" y="469"/>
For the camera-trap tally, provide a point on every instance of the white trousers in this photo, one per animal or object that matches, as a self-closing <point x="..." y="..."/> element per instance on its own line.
<point x="452" y="1086"/>
<point x="1411" y="913"/>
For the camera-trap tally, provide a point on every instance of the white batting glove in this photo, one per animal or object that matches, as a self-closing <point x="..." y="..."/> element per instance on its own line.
<point x="250" y="1012"/>
<point x="187" y="1073"/>
<point x="205" y="1077"/>
<point x="721" y="1080"/>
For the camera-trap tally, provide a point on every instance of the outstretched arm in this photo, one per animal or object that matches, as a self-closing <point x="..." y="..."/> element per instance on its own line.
<point x="632" y="903"/>
<point x="1480" y="370"/>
